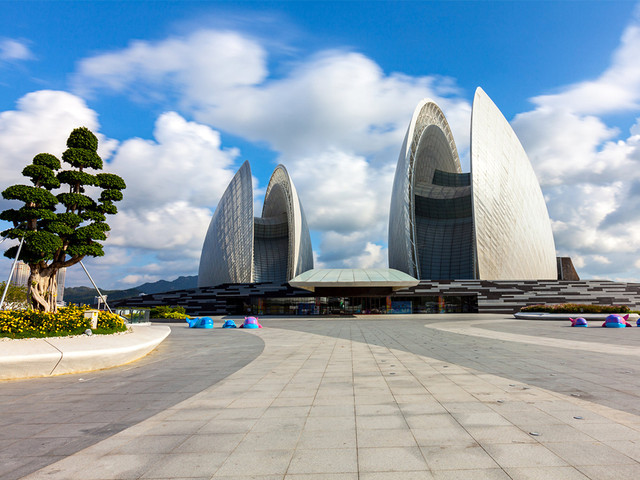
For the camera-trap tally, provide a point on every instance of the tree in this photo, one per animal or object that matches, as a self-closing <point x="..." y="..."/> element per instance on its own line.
<point x="16" y="295"/>
<point x="60" y="230"/>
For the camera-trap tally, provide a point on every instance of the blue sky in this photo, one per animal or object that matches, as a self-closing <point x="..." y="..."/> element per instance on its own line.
<point x="181" y="93"/>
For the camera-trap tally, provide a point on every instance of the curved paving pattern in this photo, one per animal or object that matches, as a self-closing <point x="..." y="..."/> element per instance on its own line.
<point x="44" y="420"/>
<point x="371" y="399"/>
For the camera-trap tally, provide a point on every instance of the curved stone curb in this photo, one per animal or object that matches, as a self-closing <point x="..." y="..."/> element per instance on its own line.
<point x="43" y="357"/>
<point x="471" y="329"/>
<point x="565" y="316"/>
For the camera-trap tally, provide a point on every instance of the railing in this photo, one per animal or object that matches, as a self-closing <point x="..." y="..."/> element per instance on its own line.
<point x="134" y="315"/>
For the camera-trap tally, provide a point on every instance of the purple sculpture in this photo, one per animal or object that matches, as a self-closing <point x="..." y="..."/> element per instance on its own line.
<point x="578" y="322"/>
<point x="616" y="321"/>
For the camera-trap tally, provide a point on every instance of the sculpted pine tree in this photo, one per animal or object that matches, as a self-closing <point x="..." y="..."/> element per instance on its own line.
<point x="60" y="230"/>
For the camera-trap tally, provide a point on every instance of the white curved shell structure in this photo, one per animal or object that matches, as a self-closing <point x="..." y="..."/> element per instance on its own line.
<point x="430" y="216"/>
<point x="513" y="232"/>
<point x="491" y="224"/>
<point x="239" y="248"/>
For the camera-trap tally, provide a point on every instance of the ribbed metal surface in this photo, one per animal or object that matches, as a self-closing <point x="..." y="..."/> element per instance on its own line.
<point x="239" y="248"/>
<point x="513" y="231"/>
<point x="227" y="252"/>
<point x="428" y="146"/>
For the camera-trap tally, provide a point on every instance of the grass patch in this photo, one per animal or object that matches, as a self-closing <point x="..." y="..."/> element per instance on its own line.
<point x="66" y="321"/>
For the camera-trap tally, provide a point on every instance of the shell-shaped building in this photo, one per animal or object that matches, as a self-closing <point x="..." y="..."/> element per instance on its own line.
<point x="489" y="224"/>
<point x="241" y="248"/>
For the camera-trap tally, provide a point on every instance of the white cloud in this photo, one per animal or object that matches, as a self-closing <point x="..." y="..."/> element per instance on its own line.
<point x="41" y="122"/>
<point x="617" y="89"/>
<point x="11" y="49"/>
<point x="173" y="182"/>
<point x="204" y="65"/>
<point x="184" y="163"/>
<point x="336" y="119"/>
<point x="591" y="178"/>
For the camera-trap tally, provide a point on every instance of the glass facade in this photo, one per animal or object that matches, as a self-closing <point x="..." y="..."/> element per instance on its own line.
<point x="357" y="305"/>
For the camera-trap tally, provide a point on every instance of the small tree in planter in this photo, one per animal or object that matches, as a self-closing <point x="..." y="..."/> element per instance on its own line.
<point x="60" y="230"/>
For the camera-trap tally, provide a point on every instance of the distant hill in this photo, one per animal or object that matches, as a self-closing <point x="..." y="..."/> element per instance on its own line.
<point x="85" y="295"/>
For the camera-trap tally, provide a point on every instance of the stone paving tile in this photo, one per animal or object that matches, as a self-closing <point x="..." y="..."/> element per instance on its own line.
<point x="391" y="459"/>
<point x="265" y="462"/>
<point x="341" y="460"/>
<point x="203" y="443"/>
<point x="546" y="473"/>
<point x="343" y="438"/>
<point x="417" y="475"/>
<point x="349" y="416"/>
<point x="322" y="476"/>
<point x="458" y="457"/>
<point x="589" y="453"/>
<point x="401" y="437"/>
<point x="620" y="472"/>
<point x="475" y="474"/>
<point x="523" y="455"/>
<point x="500" y="434"/>
<point x="185" y="465"/>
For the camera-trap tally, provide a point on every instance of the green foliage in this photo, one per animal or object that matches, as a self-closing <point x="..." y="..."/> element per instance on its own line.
<point x="41" y="176"/>
<point x="16" y="294"/>
<point x="83" y="138"/>
<point x="38" y="246"/>
<point x="28" y="194"/>
<point x="76" y="201"/>
<point x="110" y="181"/>
<point x="47" y="160"/>
<point x="73" y="177"/>
<point x="111" y="195"/>
<point x="576" y="308"/>
<point x="165" y="311"/>
<point x="67" y="321"/>
<point x="80" y="158"/>
<point x="64" y="228"/>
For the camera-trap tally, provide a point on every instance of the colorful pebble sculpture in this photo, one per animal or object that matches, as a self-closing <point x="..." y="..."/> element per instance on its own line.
<point x="616" y="321"/>
<point x="200" y="322"/>
<point x="578" y="322"/>
<point x="250" y="322"/>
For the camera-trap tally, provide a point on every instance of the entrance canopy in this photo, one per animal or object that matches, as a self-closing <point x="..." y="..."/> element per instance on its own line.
<point x="376" y="281"/>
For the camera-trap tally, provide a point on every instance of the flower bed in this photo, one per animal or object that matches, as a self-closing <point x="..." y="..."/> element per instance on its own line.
<point x="576" y="308"/>
<point x="67" y="321"/>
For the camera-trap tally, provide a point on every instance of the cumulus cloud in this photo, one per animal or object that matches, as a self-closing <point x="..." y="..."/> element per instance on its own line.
<point x="184" y="163"/>
<point x="40" y="123"/>
<point x="616" y="89"/>
<point x="174" y="181"/>
<point x="336" y="119"/>
<point x="11" y="50"/>
<point x="204" y="66"/>
<point x="589" y="170"/>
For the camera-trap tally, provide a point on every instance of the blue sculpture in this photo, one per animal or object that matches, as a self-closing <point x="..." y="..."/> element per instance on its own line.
<point x="200" y="322"/>
<point x="229" y="324"/>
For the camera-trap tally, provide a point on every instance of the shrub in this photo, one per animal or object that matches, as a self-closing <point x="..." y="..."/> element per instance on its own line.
<point x="165" y="311"/>
<point x="576" y="308"/>
<point x="67" y="321"/>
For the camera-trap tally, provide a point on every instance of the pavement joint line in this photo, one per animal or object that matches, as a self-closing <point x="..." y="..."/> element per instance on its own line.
<point x="284" y="348"/>
<point x="471" y="330"/>
<point x="59" y="360"/>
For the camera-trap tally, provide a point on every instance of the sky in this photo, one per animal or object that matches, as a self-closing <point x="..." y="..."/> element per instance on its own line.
<point x="181" y="93"/>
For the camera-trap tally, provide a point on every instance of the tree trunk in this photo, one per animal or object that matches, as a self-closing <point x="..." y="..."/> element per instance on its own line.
<point x="43" y="286"/>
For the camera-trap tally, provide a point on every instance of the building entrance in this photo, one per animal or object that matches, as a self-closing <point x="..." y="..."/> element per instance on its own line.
<point x="361" y="305"/>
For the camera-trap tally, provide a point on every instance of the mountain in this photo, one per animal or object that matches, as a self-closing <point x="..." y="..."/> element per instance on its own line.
<point x="85" y="295"/>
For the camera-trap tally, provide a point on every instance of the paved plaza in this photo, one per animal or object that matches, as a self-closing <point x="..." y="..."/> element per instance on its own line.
<point x="371" y="398"/>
